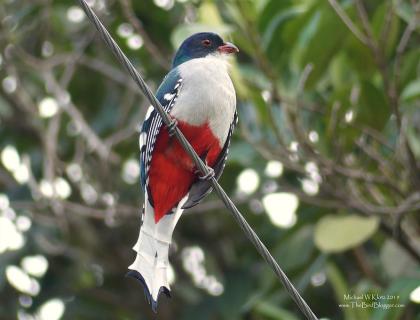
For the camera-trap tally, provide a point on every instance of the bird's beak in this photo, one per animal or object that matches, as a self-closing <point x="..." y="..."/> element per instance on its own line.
<point x="228" y="48"/>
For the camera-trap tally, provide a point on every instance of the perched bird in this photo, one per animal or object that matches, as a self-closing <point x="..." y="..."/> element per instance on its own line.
<point x="200" y="98"/>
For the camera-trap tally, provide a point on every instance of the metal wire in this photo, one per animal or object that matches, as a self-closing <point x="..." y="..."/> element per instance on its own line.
<point x="252" y="236"/>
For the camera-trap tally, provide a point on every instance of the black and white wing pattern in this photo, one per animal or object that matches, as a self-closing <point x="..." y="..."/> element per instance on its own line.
<point x="202" y="188"/>
<point x="167" y="95"/>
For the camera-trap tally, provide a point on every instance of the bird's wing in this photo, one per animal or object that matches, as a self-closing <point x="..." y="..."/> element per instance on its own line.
<point x="167" y="94"/>
<point x="202" y="188"/>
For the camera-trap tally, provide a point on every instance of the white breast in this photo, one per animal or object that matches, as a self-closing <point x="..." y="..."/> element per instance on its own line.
<point x="207" y="95"/>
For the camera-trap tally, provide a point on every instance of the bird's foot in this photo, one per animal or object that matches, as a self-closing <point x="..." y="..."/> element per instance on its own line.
<point x="210" y="174"/>
<point x="172" y="127"/>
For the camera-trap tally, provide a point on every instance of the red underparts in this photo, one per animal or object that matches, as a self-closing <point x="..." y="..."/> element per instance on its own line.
<point x="171" y="172"/>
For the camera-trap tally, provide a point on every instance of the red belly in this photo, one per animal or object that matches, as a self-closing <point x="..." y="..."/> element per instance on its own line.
<point x="171" y="172"/>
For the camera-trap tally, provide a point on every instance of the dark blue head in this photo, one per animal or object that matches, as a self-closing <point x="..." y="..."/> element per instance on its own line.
<point x="200" y="45"/>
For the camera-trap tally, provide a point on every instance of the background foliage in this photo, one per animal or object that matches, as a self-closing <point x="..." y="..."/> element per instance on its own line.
<point x="325" y="163"/>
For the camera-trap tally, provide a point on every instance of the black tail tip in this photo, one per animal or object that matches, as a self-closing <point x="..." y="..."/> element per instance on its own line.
<point x="153" y="303"/>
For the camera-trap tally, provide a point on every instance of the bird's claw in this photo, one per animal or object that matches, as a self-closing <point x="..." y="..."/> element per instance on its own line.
<point x="210" y="174"/>
<point x="172" y="127"/>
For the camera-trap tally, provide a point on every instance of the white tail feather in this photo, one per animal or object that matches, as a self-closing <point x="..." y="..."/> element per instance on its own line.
<point x="152" y="249"/>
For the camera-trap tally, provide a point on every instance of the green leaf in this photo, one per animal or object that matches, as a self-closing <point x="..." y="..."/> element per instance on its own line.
<point x="340" y="71"/>
<point x="411" y="91"/>
<point x="341" y="288"/>
<point x="294" y="31"/>
<point x="373" y="109"/>
<point x="413" y="134"/>
<point x="338" y="134"/>
<point x="238" y="291"/>
<point x="241" y="153"/>
<point x="397" y="262"/>
<point x="209" y="14"/>
<point x="410" y="63"/>
<point x="297" y="250"/>
<point x="397" y="293"/>
<point x="327" y="40"/>
<point x="359" y="58"/>
<point x="270" y="11"/>
<point x="405" y="11"/>
<point x="378" y="25"/>
<point x="273" y="33"/>
<point x="340" y="233"/>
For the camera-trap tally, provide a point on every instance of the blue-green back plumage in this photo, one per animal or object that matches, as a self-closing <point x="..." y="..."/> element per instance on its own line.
<point x="166" y="95"/>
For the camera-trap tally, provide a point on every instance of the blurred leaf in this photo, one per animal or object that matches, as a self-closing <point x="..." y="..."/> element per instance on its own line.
<point x="411" y="91"/>
<point x="398" y="293"/>
<point x="240" y="152"/>
<point x="326" y="41"/>
<point x="297" y="250"/>
<point x="397" y="262"/>
<point x="270" y="11"/>
<point x="373" y="109"/>
<point x="339" y="233"/>
<point x="339" y="72"/>
<point x="409" y="66"/>
<point x="239" y="289"/>
<point x="209" y="14"/>
<point x="413" y="131"/>
<point x="254" y="115"/>
<point x="359" y="58"/>
<point x="378" y="26"/>
<point x="405" y="11"/>
<point x="341" y="288"/>
<point x="272" y="35"/>
<point x="337" y="129"/>
<point x="298" y="29"/>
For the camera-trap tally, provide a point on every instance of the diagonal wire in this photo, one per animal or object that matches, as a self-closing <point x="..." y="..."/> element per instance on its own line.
<point x="252" y="236"/>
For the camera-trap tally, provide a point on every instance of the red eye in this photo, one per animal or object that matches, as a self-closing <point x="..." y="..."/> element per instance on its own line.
<point x="206" y="42"/>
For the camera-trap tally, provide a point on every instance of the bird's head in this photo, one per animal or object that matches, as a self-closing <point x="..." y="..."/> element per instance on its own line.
<point x="202" y="44"/>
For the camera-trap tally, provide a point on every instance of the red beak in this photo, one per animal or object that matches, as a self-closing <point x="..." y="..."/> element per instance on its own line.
<point x="228" y="48"/>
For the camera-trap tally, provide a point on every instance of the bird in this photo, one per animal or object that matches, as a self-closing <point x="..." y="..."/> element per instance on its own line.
<point x="200" y="98"/>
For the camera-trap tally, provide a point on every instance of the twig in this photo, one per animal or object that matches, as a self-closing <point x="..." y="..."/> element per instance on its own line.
<point x="402" y="45"/>
<point x="387" y="25"/>
<point x="109" y="71"/>
<point x="412" y="203"/>
<point x="304" y="77"/>
<point x="384" y="166"/>
<point x="394" y="85"/>
<point x="92" y="139"/>
<point x="71" y="66"/>
<point x="123" y="134"/>
<point x="380" y="60"/>
<point x="370" y="39"/>
<point x="347" y="21"/>
<point x="402" y="239"/>
<point x="391" y="86"/>
<point x="364" y="263"/>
